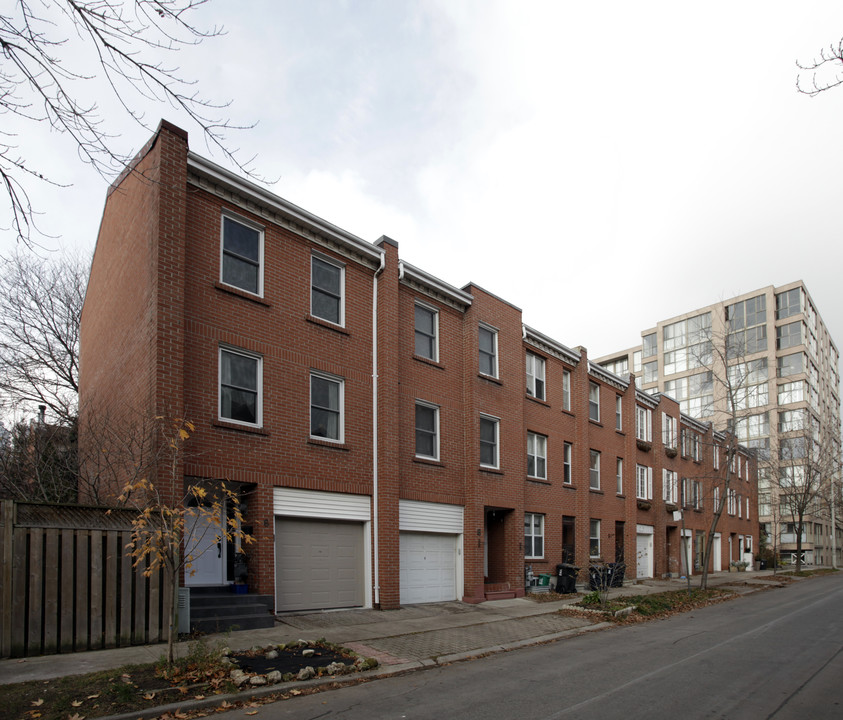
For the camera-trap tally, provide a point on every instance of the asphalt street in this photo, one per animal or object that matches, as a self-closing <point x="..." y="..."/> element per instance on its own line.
<point x="776" y="654"/>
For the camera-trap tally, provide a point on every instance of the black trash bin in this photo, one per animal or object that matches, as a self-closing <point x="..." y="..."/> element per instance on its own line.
<point x="566" y="578"/>
<point x="616" y="574"/>
<point x="762" y="564"/>
<point x="598" y="576"/>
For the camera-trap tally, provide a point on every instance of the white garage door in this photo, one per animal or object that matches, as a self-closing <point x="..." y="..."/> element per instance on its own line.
<point x="428" y="567"/>
<point x="318" y="564"/>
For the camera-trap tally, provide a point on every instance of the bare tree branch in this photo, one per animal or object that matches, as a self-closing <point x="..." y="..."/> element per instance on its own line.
<point x="826" y="71"/>
<point x="40" y="81"/>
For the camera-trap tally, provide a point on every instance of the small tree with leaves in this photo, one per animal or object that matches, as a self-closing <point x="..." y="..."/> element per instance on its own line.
<point x="163" y="522"/>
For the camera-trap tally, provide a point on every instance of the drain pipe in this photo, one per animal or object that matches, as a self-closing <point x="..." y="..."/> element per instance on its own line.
<point x="375" y="528"/>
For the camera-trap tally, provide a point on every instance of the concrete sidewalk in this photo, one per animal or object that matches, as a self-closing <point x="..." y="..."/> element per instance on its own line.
<point x="413" y="636"/>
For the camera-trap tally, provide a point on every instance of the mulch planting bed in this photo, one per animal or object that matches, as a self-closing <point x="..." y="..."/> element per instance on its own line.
<point x="289" y="660"/>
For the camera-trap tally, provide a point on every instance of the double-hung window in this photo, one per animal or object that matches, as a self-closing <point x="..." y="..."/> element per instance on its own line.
<point x="594" y="538"/>
<point x="668" y="431"/>
<point x="242" y="255"/>
<point x="535" y="376"/>
<point x="670" y="487"/>
<point x="566" y="390"/>
<point x="326" y="407"/>
<point x="696" y="495"/>
<point x="240" y="386"/>
<point x="536" y="455"/>
<point x="427" y="430"/>
<point x="619" y="475"/>
<point x="618" y="412"/>
<point x="643" y="482"/>
<point x="594" y="402"/>
<point x="594" y="470"/>
<point x="327" y="280"/>
<point x="567" y="450"/>
<point x="533" y="535"/>
<point x="489" y="441"/>
<point x="488" y="350"/>
<point x="427" y="332"/>
<point x="643" y="423"/>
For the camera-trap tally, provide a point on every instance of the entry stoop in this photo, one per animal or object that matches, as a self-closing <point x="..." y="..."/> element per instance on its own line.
<point x="498" y="591"/>
<point x="218" y="609"/>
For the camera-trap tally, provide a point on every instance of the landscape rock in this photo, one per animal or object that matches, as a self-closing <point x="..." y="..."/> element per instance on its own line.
<point x="273" y="677"/>
<point x="306" y="673"/>
<point x="257" y="680"/>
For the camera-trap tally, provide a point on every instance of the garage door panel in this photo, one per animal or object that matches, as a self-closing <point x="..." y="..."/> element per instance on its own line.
<point x="428" y="567"/>
<point x="319" y="564"/>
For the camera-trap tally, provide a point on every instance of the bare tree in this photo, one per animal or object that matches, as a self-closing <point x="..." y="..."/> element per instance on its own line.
<point x="826" y="71"/>
<point x="53" y="49"/>
<point x="803" y="469"/>
<point x="38" y="463"/>
<point x="39" y="332"/>
<point x="724" y="352"/>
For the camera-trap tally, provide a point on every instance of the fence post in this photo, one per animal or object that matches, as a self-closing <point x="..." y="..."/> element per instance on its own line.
<point x="8" y="516"/>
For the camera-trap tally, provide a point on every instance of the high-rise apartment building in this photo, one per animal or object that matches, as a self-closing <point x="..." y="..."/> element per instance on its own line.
<point x="781" y="393"/>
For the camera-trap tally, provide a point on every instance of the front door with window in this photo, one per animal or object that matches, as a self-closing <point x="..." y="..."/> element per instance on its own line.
<point x="204" y="543"/>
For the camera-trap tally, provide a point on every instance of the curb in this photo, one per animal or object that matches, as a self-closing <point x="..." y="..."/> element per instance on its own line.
<point x="345" y="680"/>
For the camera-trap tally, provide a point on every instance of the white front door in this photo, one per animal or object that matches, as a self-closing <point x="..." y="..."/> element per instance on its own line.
<point x="644" y="554"/>
<point x="204" y="549"/>
<point x="716" y="551"/>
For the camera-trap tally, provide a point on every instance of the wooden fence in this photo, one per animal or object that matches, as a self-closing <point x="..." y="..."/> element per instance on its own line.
<point x="68" y="586"/>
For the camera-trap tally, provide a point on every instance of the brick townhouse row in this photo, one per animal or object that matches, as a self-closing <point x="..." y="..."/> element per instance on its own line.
<point x="394" y="439"/>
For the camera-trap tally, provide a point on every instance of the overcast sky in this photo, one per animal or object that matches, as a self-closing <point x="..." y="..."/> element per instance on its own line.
<point x="600" y="165"/>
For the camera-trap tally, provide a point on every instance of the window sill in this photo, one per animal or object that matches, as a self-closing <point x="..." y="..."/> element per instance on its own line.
<point x="570" y="486"/>
<point x="536" y="400"/>
<point x="251" y="297"/>
<point x="428" y="361"/>
<point x="596" y="491"/>
<point x="620" y="432"/>
<point x="428" y="461"/>
<point x="328" y="444"/>
<point x="538" y="481"/>
<point x="253" y="430"/>
<point x="326" y="324"/>
<point x="596" y="422"/>
<point x="491" y="470"/>
<point x="489" y="378"/>
<point x="569" y="413"/>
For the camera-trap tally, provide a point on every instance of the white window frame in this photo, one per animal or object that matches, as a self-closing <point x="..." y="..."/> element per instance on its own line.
<point x="258" y="385"/>
<point x="696" y="494"/>
<point x="435" y="409"/>
<point x="643" y="424"/>
<point x="593" y="537"/>
<point x="536" y="385"/>
<point x="318" y="257"/>
<point x="594" y="469"/>
<point x="232" y="217"/>
<point x="434" y="312"/>
<point x="716" y="458"/>
<point x="496" y="422"/>
<point x="715" y="494"/>
<point x="340" y="382"/>
<point x="593" y="401"/>
<point x="567" y="463"/>
<point x="643" y="482"/>
<point x="619" y="475"/>
<point x="668" y="431"/>
<point x="566" y="390"/>
<point x="670" y="487"/>
<point x="493" y="354"/>
<point x="530" y="553"/>
<point x="618" y="412"/>
<point x="537" y="449"/>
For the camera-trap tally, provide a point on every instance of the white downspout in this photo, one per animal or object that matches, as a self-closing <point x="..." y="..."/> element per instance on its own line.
<point x="376" y="539"/>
